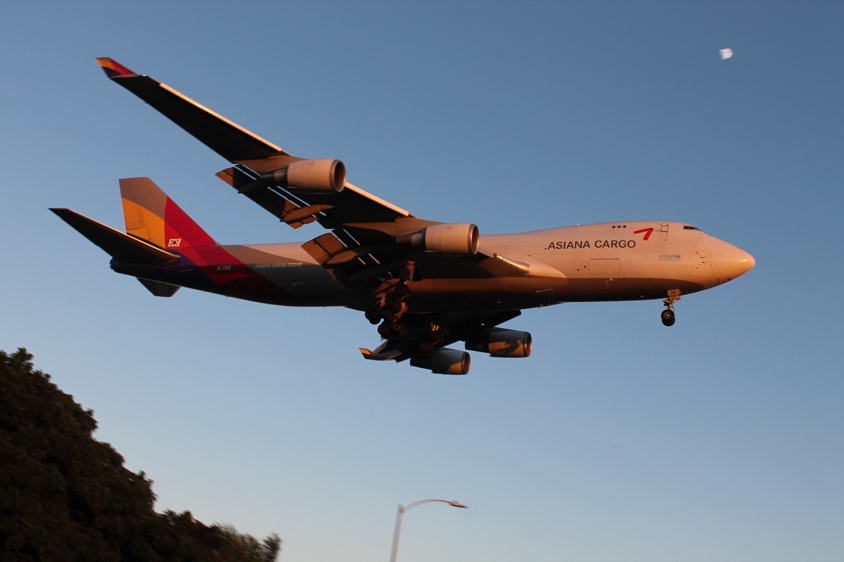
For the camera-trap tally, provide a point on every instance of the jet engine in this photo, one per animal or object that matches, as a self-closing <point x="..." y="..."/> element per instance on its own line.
<point x="323" y="174"/>
<point x="499" y="342"/>
<point x="444" y="361"/>
<point x="458" y="239"/>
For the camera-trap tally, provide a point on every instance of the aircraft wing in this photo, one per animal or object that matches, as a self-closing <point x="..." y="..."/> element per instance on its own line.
<point x="363" y="244"/>
<point x="373" y="247"/>
<point x="253" y="156"/>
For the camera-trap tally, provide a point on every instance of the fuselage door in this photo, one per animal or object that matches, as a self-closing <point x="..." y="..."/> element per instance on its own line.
<point x="662" y="238"/>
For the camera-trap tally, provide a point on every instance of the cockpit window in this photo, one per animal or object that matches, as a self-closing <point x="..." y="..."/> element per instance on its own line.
<point x="689" y="227"/>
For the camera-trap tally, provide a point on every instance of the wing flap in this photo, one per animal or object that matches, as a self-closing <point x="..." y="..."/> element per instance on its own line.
<point x="379" y="354"/>
<point x="288" y="211"/>
<point x="333" y="210"/>
<point x="503" y="266"/>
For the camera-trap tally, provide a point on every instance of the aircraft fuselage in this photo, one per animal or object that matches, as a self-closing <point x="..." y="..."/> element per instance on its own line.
<point x="426" y="284"/>
<point x="599" y="262"/>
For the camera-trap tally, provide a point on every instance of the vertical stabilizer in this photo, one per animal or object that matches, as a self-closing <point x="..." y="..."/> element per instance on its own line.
<point x="151" y="215"/>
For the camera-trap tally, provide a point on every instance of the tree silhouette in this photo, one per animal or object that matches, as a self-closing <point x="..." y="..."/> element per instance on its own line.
<point x="66" y="496"/>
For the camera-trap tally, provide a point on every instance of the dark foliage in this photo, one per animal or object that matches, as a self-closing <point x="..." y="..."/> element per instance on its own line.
<point x="66" y="496"/>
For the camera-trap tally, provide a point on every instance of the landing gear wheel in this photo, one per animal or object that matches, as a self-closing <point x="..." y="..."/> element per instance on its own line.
<point x="389" y="308"/>
<point x="393" y="306"/>
<point x="667" y="315"/>
<point x="374" y="316"/>
<point x="402" y="292"/>
<point x="399" y="328"/>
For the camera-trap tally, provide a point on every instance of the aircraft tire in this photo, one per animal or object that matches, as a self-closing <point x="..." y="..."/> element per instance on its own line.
<point x="373" y="316"/>
<point x="668" y="317"/>
<point x="402" y="291"/>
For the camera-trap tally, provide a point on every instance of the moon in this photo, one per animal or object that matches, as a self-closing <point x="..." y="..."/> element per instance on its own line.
<point x="726" y="53"/>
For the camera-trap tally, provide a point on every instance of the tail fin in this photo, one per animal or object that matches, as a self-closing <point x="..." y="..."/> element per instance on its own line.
<point x="151" y="215"/>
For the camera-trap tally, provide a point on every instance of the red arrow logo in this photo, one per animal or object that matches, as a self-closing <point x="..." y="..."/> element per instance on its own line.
<point x="647" y="231"/>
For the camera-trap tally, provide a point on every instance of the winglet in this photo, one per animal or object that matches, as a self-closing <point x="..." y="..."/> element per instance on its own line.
<point x="112" y="68"/>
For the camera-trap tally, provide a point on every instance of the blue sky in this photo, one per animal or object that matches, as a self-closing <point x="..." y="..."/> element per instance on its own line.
<point x="721" y="439"/>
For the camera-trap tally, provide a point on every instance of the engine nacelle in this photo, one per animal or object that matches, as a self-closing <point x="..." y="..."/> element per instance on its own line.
<point x="499" y="342"/>
<point x="459" y="238"/>
<point x="445" y="361"/>
<point x="323" y="174"/>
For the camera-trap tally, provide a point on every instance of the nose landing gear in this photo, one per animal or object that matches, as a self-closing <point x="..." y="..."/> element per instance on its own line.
<point x="667" y="316"/>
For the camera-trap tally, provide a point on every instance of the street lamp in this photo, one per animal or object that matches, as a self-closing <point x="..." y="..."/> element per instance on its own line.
<point x="400" y="512"/>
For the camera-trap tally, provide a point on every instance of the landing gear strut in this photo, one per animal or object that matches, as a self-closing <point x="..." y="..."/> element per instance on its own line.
<point x="390" y="308"/>
<point x="667" y="316"/>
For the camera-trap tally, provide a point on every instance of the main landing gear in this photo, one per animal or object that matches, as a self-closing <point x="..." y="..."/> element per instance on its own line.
<point x="392" y="310"/>
<point x="390" y="306"/>
<point x="667" y="316"/>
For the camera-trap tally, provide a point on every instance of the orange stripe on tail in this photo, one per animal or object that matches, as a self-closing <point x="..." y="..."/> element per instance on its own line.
<point x="151" y="215"/>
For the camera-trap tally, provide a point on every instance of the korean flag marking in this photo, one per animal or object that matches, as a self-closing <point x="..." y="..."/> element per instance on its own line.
<point x="174" y="243"/>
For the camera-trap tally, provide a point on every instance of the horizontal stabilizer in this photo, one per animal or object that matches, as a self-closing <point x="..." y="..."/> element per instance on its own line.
<point x="118" y="245"/>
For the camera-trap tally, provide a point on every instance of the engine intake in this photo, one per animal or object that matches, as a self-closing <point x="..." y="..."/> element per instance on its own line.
<point x="444" y="361"/>
<point x="499" y="342"/>
<point x="323" y="174"/>
<point x="458" y="239"/>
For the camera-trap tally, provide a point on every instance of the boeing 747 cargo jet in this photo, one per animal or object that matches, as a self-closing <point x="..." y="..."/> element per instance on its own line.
<point x="426" y="284"/>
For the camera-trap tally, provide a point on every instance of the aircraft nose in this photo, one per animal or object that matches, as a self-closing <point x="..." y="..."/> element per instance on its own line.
<point x="730" y="262"/>
<point x="747" y="262"/>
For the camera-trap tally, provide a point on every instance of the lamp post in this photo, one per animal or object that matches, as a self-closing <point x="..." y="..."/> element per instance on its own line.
<point x="400" y="512"/>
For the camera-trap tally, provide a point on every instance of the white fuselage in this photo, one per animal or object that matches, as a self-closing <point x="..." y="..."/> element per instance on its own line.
<point x="598" y="262"/>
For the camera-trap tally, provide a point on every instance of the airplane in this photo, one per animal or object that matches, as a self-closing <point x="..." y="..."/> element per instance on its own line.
<point x="426" y="284"/>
